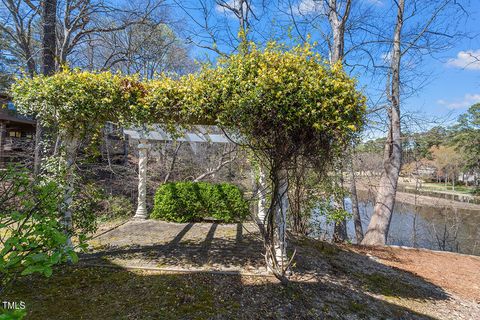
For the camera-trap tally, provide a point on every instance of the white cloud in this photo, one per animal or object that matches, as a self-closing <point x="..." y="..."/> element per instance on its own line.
<point x="469" y="59"/>
<point x="468" y="100"/>
<point x="309" y="6"/>
<point x="305" y="7"/>
<point x="230" y="3"/>
<point x="386" y="57"/>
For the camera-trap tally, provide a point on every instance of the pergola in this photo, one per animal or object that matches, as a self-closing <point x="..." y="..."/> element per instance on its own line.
<point x="196" y="134"/>
<point x="284" y="103"/>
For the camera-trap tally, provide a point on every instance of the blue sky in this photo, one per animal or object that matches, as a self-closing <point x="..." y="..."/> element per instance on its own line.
<point x="447" y="83"/>
<point x="454" y="83"/>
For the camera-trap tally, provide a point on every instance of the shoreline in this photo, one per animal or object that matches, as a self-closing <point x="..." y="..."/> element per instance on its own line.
<point x="420" y="200"/>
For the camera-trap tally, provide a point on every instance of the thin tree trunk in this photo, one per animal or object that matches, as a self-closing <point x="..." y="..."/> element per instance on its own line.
<point x="340" y="228"/>
<point x="380" y="222"/>
<point x="340" y="231"/>
<point x="220" y="165"/>
<point x="31" y="68"/>
<point x="125" y="149"/>
<point x="357" y="220"/>
<point x="172" y="164"/>
<point x="337" y="24"/>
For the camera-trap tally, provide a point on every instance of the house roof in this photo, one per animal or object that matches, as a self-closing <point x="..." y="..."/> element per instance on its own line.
<point x="11" y="115"/>
<point x="13" y="118"/>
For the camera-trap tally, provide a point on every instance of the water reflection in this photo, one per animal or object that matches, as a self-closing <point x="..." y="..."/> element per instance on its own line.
<point x="433" y="227"/>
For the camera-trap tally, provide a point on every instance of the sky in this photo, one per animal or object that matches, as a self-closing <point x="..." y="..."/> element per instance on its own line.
<point x="446" y="85"/>
<point x="454" y="84"/>
<point x="450" y="81"/>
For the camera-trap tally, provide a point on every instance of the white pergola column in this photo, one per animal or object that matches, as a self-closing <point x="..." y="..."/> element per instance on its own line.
<point x="262" y="190"/>
<point x="281" y="218"/>
<point x="141" y="212"/>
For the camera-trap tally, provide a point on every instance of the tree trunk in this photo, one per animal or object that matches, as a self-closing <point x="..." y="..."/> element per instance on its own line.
<point x="71" y="145"/>
<point x="340" y="228"/>
<point x="337" y="24"/>
<point x="357" y="220"/>
<point x="31" y="68"/>
<point x="340" y="231"/>
<point x="37" y="155"/>
<point x="380" y="223"/>
<point x="172" y="164"/>
<point x="49" y="18"/>
<point x="3" y="133"/>
<point x="49" y="36"/>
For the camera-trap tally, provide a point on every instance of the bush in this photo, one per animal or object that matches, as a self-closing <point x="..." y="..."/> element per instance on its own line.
<point x="33" y="238"/>
<point x="195" y="201"/>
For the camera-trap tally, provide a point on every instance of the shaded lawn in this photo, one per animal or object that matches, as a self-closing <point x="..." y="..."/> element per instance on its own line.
<point x="104" y="293"/>
<point x="329" y="282"/>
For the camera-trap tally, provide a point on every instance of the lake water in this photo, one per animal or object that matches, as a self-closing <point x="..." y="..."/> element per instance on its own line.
<point x="432" y="227"/>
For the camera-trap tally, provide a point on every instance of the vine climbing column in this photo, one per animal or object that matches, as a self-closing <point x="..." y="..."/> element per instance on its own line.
<point x="141" y="212"/>
<point x="262" y="186"/>
<point x="281" y="218"/>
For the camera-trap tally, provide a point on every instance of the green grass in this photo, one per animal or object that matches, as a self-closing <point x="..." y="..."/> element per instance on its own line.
<point x="386" y="285"/>
<point x="460" y="189"/>
<point x="103" y="293"/>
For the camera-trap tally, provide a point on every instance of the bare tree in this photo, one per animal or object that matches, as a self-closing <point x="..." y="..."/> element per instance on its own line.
<point x="331" y="21"/>
<point x="228" y="156"/>
<point x="81" y="21"/>
<point x="18" y="24"/>
<point x="337" y="16"/>
<point x="67" y="26"/>
<point x="220" y="26"/>
<point x="146" y="49"/>
<point x="431" y="28"/>
<point x="392" y="159"/>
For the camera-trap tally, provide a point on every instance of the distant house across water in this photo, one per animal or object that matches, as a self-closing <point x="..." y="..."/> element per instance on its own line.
<point x="16" y="133"/>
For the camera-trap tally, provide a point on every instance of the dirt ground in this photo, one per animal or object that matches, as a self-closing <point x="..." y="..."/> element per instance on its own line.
<point x="157" y="270"/>
<point x="459" y="274"/>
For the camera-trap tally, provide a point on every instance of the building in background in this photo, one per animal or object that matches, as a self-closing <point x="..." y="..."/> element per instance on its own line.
<point x="16" y="134"/>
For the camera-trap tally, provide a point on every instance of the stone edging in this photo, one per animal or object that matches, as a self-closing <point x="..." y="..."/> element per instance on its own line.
<point x="178" y="270"/>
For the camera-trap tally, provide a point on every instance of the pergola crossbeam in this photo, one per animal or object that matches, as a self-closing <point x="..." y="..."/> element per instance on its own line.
<point x="198" y="134"/>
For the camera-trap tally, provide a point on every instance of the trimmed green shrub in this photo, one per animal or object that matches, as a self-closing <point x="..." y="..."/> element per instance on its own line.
<point x="195" y="201"/>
